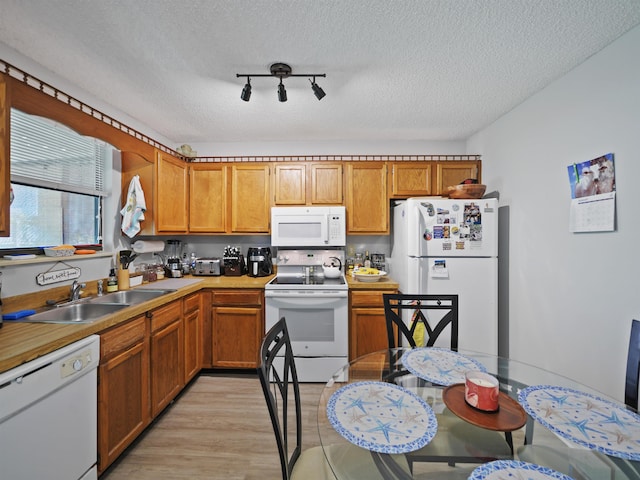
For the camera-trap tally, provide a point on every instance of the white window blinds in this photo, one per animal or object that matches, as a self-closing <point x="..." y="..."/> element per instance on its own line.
<point x="48" y="154"/>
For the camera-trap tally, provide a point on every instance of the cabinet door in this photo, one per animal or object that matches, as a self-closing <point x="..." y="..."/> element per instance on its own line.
<point x="326" y="183"/>
<point x="167" y="355"/>
<point x="250" y="206"/>
<point x="123" y="390"/>
<point x="410" y="179"/>
<point x="4" y="158"/>
<point x="237" y="333"/>
<point x="192" y="336"/>
<point x="171" y="194"/>
<point x="454" y="172"/>
<point x="368" y="331"/>
<point x="368" y="327"/>
<point x="367" y="204"/>
<point x="207" y="198"/>
<point x="290" y="184"/>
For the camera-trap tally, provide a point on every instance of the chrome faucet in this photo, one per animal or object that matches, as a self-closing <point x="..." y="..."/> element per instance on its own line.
<point x="76" y="290"/>
<point x="100" y="288"/>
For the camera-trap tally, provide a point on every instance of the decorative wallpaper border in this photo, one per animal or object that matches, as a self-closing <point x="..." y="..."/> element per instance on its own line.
<point x="337" y="158"/>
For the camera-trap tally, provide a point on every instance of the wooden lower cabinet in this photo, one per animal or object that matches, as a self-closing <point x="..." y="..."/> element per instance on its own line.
<point x="167" y="355"/>
<point x="237" y="321"/>
<point x="367" y="325"/>
<point x="123" y="388"/>
<point x="192" y="336"/>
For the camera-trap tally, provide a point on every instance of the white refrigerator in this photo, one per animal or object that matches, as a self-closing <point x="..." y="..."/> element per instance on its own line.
<point x="446" y="246"/>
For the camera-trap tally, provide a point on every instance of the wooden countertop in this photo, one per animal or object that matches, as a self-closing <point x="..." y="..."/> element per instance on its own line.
<point x="385" y="283"/>
<point x="22" y="342"/>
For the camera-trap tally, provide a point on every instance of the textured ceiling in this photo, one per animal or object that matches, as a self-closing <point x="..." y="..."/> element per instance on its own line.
<point x="396" y="70"/>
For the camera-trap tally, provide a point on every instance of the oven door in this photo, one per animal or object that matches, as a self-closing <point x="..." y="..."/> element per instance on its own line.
<point x="317" y="320"/>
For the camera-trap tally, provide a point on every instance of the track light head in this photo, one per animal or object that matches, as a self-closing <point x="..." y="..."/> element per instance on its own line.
<point x="317" y="91"/>
<point x="246" y="91"/>
<point x="282" y="93"/>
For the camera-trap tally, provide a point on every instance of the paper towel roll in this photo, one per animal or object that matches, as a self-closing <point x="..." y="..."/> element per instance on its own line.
<point x="148" y="246"/>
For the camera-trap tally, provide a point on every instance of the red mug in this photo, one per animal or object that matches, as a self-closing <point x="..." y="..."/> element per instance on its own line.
<point x="481" y="391"/>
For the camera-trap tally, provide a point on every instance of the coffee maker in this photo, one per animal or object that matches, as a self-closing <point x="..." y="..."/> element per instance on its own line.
<point x="259" y="262"/>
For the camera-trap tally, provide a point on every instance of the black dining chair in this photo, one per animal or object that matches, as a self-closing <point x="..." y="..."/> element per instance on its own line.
<point x="437" y="313"/>
<point x="277" y="373"/>
<point x="568" y="460"/>
<point x="443" y="308"/>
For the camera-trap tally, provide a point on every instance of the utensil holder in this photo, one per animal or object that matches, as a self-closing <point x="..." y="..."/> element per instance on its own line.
<point x="123" y="280"/>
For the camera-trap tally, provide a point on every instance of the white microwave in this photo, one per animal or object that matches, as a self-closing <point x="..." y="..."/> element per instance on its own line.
<point x="308" y="226"/>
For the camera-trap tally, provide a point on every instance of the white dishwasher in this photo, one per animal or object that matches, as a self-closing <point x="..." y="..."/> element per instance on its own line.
<point x="49" y="415"/>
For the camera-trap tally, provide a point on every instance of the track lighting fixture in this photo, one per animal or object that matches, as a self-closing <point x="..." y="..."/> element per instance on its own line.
<point x="281" y="70"/>
<point x="246" y="91"/>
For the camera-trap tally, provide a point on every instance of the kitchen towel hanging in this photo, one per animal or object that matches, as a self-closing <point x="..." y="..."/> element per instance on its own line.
<point x="148" y="246"/>
<point x="133" y="211"/>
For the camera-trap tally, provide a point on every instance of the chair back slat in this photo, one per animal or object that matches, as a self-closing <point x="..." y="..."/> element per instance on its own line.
<point x="399" y="334"/>
<point x="633" y="367"/>
<point x="279" y="380"/>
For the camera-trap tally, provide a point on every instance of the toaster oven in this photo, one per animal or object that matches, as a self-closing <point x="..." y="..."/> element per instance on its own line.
<point x="208" y="267"/>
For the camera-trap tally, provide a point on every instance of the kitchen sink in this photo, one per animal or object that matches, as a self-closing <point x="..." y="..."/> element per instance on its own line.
<point x="129" y="297"/>
<point x="91" y="309"/>
<point x="76" y="313"/>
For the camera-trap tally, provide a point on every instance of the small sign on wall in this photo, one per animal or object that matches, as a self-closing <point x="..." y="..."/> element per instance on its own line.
<point x="55" y="276"/>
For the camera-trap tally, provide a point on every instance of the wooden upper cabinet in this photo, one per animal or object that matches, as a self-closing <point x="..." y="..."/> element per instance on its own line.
<point x="367" y="203"/>
<point x="5" y="186"/>
<point x="307" y="184"/>
<point x="250" y="194"/>
<point x="326" y="183"/>
<point x="171" y="195"/>
<point x="290" y="184"/>
<point x="454" y="172"/>
<point x="410" y="179"/>
<point x="135" y="164"/>
<point x="208" y="198"/>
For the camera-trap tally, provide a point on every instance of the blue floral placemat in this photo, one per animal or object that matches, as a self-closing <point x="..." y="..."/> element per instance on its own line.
<point x="514" y="470"/>
<point x="439" y="365"/>
<point x="381" y="417"/>
<point x="585" y="419"/>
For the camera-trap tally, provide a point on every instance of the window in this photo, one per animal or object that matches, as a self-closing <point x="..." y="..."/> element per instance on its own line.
<point x="57" y="181"/>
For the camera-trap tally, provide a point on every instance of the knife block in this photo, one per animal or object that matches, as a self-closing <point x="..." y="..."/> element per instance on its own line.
<point x="234" y="266"/>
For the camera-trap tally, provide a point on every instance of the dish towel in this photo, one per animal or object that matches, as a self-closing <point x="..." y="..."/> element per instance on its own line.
<point x="133" y="211"/>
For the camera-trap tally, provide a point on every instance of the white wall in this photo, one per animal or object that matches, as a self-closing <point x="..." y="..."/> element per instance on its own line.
<point x="571" y="296"/>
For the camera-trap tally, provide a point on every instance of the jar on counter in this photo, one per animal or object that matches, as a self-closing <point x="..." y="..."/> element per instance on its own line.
<point x="159" y="272"/>
<point x="152" y="273"/>
<point x="142" y="268"/>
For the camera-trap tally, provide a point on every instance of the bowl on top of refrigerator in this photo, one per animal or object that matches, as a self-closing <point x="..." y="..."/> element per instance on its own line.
<point x="364" y="274"/>
<point x="466" y="190"/>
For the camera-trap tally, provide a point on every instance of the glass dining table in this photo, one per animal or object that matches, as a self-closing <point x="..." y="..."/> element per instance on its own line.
<point x="398" y="404"/>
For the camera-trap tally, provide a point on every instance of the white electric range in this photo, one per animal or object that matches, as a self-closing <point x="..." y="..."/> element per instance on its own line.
<point x="315" y="308"/>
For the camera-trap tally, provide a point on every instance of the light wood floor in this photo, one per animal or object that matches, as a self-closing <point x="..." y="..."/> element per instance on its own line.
<point x="219" y="428"/>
